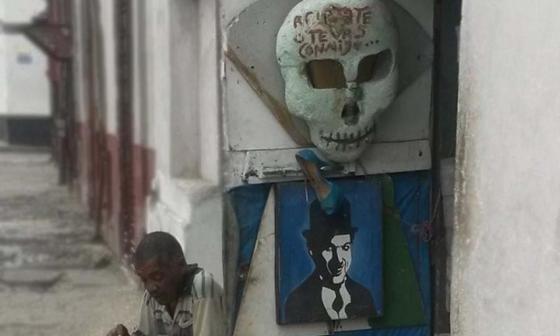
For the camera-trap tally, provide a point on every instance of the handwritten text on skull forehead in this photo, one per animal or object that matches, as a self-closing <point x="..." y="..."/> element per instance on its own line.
<point x="333" y="15"/>
<point x="334" y="29"/>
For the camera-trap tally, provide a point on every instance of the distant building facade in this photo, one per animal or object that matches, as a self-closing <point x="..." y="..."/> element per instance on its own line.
<point x="25" y="95"/>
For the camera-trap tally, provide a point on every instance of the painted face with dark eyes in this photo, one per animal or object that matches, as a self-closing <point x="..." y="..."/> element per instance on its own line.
<point x="337" y="257"/>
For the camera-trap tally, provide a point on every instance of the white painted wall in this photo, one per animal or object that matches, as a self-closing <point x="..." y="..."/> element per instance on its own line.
<point x="28" y="88"/>
<point x="210" y="99"/>
<point x="169" y="101"/>
<point x="158" y="81"/>
<point x="81" y="94"/>
<point x="184" y="60"/>
<point x="24" y="83"/>
<point x="107" y="18"/>
<point x="21" y="11"/>
<point x="139" y="80"/>
<point x="506" y="258"/>
<point x="3" y="67"/>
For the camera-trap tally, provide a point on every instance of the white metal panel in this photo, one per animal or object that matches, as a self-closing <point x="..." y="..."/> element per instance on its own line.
<point x="252" y="39"/>
<point x="231" y="9"/>
<point x="251" y="126"/>
<point x="409" y="117"/>
<point x="267" y="166"/>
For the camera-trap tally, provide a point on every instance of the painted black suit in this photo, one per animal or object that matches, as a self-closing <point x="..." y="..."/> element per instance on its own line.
<point x="304" y="303"/>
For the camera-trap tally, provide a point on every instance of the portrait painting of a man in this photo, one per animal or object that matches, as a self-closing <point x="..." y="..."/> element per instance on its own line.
<point x="329" y="290"/>
<point x="329" y="241"/>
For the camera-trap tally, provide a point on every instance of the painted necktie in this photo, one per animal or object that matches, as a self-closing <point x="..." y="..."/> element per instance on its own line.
<point x="337" y="303"/>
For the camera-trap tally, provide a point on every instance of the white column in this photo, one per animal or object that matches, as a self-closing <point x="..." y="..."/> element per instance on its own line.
<point x="506" y="256"/>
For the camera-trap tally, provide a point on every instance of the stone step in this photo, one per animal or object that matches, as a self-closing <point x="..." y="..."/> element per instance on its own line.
<point x="25" y="231"/>
<point x="28" y="329"/>
<point x="37" y="279"/>
<point x="54" y="255"/>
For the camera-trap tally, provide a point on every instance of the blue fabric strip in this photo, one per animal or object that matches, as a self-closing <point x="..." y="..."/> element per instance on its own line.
<point x="248" y="204"/>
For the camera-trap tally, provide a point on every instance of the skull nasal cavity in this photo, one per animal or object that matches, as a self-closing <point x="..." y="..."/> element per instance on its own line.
<point x="351" y="114"/>
<point x="326" y="74"/>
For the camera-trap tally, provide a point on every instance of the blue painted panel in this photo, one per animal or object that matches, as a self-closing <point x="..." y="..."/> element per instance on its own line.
<point x="294" y="264"/>
<point x="248" y="204"/>
<point x="412" y="197"/>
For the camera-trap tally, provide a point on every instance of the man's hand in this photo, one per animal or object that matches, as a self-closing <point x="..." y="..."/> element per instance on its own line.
<point x="119" y="330"/>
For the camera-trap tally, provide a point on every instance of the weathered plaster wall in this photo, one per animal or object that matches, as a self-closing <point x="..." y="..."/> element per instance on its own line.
<point x="3" y="68"/>
<point x="185" y="120"/>
<point x="175" y="122"/>
<point x="210" y="70"/>
<point x="506" y="255"/>
<point x="107" y="18"/>
<point x="99" y="153"/>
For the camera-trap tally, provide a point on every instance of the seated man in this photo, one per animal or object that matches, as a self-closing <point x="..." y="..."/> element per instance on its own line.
<point x="180" y="299"/>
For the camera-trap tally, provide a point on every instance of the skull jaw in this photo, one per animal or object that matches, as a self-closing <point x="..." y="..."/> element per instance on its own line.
<point x="341" y="146"/>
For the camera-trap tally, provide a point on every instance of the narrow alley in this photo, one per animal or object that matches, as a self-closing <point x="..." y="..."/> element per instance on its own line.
<point x="54" y="278"/>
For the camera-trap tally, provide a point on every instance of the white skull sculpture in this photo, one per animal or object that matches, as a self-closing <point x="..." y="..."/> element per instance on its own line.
<point x="338" y="60"/>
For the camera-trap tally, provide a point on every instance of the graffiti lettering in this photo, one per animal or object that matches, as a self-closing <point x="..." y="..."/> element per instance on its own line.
<point x="307" y="50"/>
<point x="331" y="30"/>
<point x="333" y="14"/>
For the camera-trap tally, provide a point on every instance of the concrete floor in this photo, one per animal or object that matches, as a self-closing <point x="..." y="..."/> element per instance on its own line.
<point x="54" y="279"/>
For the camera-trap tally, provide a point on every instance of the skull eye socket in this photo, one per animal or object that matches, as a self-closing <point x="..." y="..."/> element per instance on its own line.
<point x="375" y="67"/>
<point x="325" y="74"/>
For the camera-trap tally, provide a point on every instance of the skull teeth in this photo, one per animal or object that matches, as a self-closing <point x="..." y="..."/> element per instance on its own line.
<point x="346" y="140"/>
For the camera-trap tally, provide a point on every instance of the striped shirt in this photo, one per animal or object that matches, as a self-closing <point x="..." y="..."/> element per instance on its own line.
<point x="199" y="311"/>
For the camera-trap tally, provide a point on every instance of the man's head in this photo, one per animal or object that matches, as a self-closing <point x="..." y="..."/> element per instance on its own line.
<point x="329" y="241"/>
<point x="160" y="264"/>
